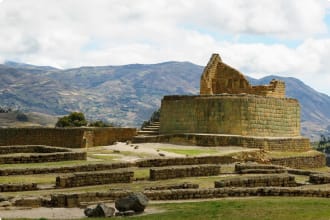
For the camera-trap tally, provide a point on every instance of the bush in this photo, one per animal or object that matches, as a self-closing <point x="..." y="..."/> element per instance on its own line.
<point x="100" y="123"/>
<point x="74" y="119"/>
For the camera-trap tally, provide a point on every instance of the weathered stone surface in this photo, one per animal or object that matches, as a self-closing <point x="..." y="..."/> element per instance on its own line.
<point x="101" y="210"/>
<point x="184" y="171"/>
<point x="230" y="114"/>
<point x="3" y="198"/>
<point x="93" y="178"/>
<point x="134" y="201"/>
<point x="219" y="77"/>
<point x="5" y="204"/>
<point x="126" y="213"/>
<point x="283" y="180"/>
<point x="65" y="137"/>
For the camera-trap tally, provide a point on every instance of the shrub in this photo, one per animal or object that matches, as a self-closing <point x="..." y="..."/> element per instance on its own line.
<point x="74" y="119"/>
<point x="22" y="117"/>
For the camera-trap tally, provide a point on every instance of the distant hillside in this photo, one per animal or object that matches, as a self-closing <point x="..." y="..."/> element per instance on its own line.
<point x="34" y="119"/>
<point x="128" y="94"/>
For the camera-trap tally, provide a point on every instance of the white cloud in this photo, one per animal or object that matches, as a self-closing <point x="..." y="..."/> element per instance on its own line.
<point x="69" y="33"/>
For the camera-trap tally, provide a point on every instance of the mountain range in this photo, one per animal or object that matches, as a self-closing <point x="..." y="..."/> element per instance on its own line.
<point x="127" y="95"/>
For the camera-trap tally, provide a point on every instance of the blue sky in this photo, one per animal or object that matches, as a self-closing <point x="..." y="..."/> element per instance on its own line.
<point x="258" y="37"/>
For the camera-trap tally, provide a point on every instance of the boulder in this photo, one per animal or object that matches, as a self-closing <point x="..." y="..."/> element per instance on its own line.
<point x="136" y="202"/>
<point x="101" y="210"/>
<point x="3" y="198"/>
<point x="5" y="204"/>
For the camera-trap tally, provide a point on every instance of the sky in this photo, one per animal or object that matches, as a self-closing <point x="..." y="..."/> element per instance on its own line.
<point x="257" y="37"/>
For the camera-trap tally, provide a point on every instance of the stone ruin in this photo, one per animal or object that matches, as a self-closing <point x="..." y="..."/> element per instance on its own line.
<point x="229" y="108"/>
<point x="219" y="78"/>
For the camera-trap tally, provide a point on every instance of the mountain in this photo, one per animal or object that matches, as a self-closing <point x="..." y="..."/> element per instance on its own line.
<point x="128" y="94"/>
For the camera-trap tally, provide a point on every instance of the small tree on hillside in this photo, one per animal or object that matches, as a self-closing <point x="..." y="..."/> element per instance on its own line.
<point x="74" y="119"/>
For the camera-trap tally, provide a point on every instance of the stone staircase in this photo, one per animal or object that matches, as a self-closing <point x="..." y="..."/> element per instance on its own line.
<point x="150" y="130"/>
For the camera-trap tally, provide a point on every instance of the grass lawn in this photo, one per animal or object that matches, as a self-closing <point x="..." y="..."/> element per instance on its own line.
<point x="245" y="208"/>
<point x="190" y="152"/>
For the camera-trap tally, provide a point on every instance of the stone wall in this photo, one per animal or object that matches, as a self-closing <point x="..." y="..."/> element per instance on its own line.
<point x="18" y="187"/>
<point x="184" y="171"/>
<point x="93" y="178"/>
<point x="65" y="137"/>
<point x="299" y="144"/>
<point x="218" y="78"/>
<point x="230" y="114"/>
<point x="42" y="158"/>
<point x="313" y="161"/>
<point x="174" y="186"/>
<point x="179" y="161"/>
<point x="64" y="169"/>
<point x="31" y="149"/>
<point x="283" y="180"/>
<point x="74" y="200"/>
<point x="320" y="178"/>
<point x="245" y="168"/>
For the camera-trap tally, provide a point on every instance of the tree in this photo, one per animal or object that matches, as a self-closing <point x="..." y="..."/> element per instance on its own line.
<point x="100" y="123"/>
<point x="74" y="119"/>
<point x="22" y="117"/>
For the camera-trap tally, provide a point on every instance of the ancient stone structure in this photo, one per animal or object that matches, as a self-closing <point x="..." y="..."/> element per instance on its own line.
<point x="283" y="180"/>
<point x="184" y="171"/>
<point x="65" y="137"/>
<point x="93" y="178"/>
<point x="231" y="112"/>
<point x="219" y="78"/>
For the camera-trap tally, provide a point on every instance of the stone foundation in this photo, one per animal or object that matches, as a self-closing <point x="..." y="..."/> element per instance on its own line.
<point x="320" y="178"/>
<point x="18" y="187"/>
<point x="43" y="158"/>
<point x="74" y="200"/>
<point x="174" y="186"/>
<point x="298" y="144"/>
<point x="246" y="115"/>
<point x="315" y="161"/>
<point x="64" y="169"/>
<point x="93" y="178"/>
<point x="257" y="181"/>
<point x="65" y="137"/>
<point x="184" y="171"/>
<point x="245" y="168"/>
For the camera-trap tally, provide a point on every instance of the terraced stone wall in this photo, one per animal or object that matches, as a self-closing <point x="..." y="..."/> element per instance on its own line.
<point x="313" y="161"/>
<point x="246" y="115"/>
<point x="93" y="178"/>
<point x="283" y="180"/>
<point x="184" y="171"/>
<point x="65" y="137"/>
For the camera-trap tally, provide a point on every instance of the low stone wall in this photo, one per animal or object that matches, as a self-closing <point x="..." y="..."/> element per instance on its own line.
<point x="314" y="161"/>
<point x="42" y="158"/>
<point x="245" y="168"/>
<point x="74" y="200"/>
<point x="64" y="169"/>
<point x="257" y="181"/>
<point x="178" y="161"/>
<point x="94" y="178"/>
<point x="65" y="137"/>
<point x="184" y="171"/>
<point x="18" y="187"/>
<point x="298" y="144"/>
<point x="320" y="178"/>
<point x="174" y="186"/>
<point x="31" y="149"/>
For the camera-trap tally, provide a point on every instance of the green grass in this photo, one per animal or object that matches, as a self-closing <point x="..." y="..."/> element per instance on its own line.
<point x="243" y="208"/>
<point x="190" y="152"/>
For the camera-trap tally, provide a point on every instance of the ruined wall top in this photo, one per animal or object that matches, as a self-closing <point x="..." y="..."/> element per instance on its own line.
<point x="218" y="78"/>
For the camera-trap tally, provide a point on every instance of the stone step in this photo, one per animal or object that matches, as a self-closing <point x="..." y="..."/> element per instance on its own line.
<point x="150" y="129"/>
<point x="148" y="132"/>
<point x="152" y="126"/>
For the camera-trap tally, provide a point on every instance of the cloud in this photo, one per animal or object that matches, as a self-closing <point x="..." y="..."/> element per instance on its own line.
<point x="70" y="33"/>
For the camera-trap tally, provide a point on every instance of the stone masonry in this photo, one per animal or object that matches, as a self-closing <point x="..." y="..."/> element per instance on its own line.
<point x="219" y="78"/>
